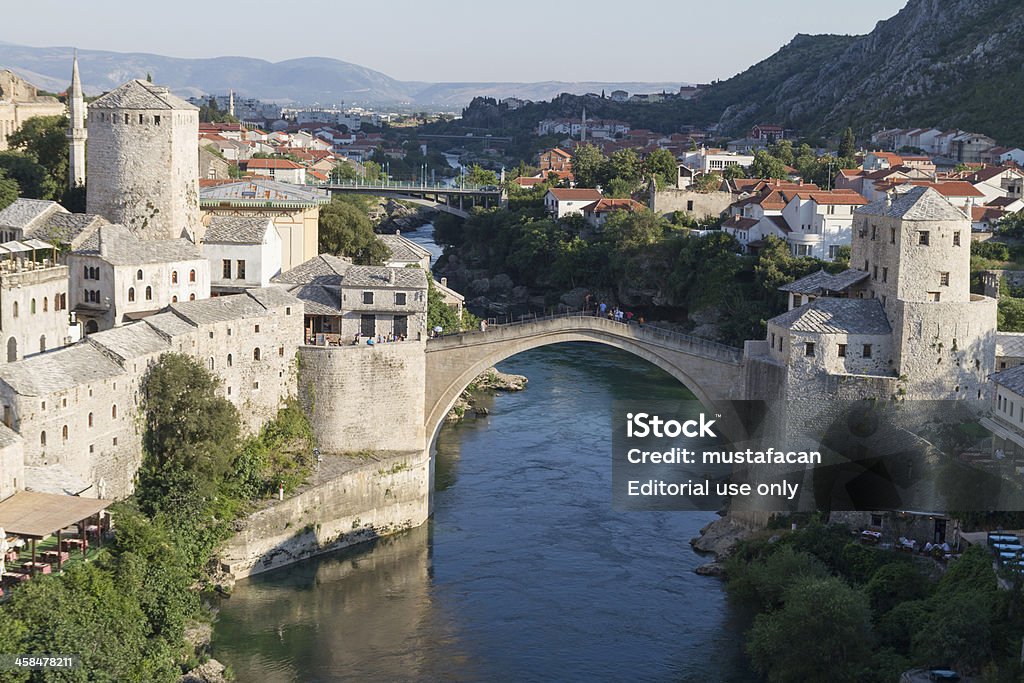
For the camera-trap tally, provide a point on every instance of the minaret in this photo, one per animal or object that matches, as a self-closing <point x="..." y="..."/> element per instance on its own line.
<point x="583" y="126"/>
<point x="76" y="129"/>
<point x="231" y="102"/>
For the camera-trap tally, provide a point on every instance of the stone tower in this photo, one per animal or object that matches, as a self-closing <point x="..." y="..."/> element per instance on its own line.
<point x="77" y="133"/>
<point x="916" y="249"/>
<point x="143" y="159"/>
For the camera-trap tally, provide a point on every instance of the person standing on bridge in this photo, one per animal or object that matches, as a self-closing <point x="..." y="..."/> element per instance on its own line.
<point x="602" y="308"/>
<point x="483" y="325"/>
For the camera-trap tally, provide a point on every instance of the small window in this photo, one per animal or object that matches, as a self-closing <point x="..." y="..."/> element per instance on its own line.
<point x="32" y="306"/>
<point x="874" y="274"/>
<point x="192" y="297"/>
<point x="131" y="294"/>
<point x="867" y="351"/>
<point x="399" y="298"/>
<point x="156" y="120"/>
<point x="115" y="441"/>
<point x="240" y="270"/>
<point x="892" y="235"/>
<point x="174" y="299"/>
<point x="922" y="237"/>
<point x="956" y="238"/>
<point x="280" y="351"/>
<point x="842" y="351"/>
<point x="191" y="276"/>
<point x="64" y="433"/>
<point x="257" y="328"/>
<point x="90" y="419"/>
<point x="866" y="269"/>
<point x="212" y="367"/>
<point x="808" y="348"/>
<point x="15" y="309"/>
<point x="256" y="353"/>
<point x="288" y="310"/>
<point x="174" y="277"/>
<point x="42" y="439"/>
<point x="367" y="297"/>
<point x="944" y="279"/>
<point x="226" y="265"/>
<point x="874" y="232"/>
<point x="885" y="274"/>
<point x="138" y="275"/>
<point x="934" y="296"/>
<point x="230" y="360"/>
<point x="113" y="412"/>
<point x="149" y="293"/>
<point x="256" y="386"/>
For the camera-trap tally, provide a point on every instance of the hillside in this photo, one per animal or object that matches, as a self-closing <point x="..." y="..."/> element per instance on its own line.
<point x="944" y="63"/>
<point x="310" y="80"/>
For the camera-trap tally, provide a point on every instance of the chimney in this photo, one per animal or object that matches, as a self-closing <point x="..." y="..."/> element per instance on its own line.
<point x="444" y="282"/>
<point x="391" y="275"/>
<point x="398" y="233"/>
<point x="103" y="244"/>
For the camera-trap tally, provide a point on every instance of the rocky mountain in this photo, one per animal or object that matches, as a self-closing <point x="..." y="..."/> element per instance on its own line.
<point x="944" y="63"/>
<point x="310" y="80"/>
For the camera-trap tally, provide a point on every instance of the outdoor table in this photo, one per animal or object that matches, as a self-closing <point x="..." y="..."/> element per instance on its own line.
<point x="41" y="567"/>
<point x="871" y="536"/>
<point x="53" y="557"/>
<point x="73" y="544"/>
<point x="17" y="577"/>
<point x="1008" y="546"/>
<point x="11" y="556"/>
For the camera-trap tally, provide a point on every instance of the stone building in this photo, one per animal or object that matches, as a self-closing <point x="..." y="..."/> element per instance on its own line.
<point x="143" y="161"/>
<point x="76" y="409"/>
<point x="403" y="252"/>
<point x="343" y="300"/>
<point x="116" y="278"/>
<point x="47" y="221"/>
<point x="12" y="462"/>
<point x="19" y="101"/>
<point x="33" y="300"/>
<point x="294" y="209"/>
<point x="901" y="323"/>
<point x="243" y="252"/>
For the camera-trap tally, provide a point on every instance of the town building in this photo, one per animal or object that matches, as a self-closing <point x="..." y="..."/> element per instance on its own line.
<point x="294" y="209"/>
<point x="116" y="278"/>
<point x="598" y="212"/>
<point x="20" y="101"/>
<point x="403" y="252"/>
<point x="281" y="170"/>
<point x="33" y="300"/>
<point x="345" y="302"/>
<point x="143" y="161"/>
<point x="243" y="252"/>
<point x="561" y="202"/>
<point x="555" y="159"/>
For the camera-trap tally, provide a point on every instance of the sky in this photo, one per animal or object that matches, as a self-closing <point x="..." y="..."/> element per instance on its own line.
<point x="454" y="40"/>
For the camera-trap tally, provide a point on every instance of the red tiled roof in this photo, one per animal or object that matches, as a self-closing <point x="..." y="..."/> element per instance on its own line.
<point x="575" y="195"/>
<point x="528" y="182"/>
<point x="986" y="213"/>
<point x="739" y="222"/>
<point x="608" y="205"/>
<point x="835" y="197"/>
<point x="272" y="163"/>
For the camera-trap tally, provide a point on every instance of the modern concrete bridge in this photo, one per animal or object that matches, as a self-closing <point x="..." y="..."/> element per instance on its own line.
<point x="712" y="371"/>
<point x="453" y="200"/>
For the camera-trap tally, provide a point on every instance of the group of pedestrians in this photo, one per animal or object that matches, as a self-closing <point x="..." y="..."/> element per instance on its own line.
<point x="603" y="310"/>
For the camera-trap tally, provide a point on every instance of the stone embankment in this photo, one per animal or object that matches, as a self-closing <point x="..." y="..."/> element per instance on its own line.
<point x="490" y="381"/>
<point x="720" y="538"/>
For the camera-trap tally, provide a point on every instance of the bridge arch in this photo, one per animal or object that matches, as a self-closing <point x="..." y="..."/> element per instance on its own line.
<point x="711" y="371"/>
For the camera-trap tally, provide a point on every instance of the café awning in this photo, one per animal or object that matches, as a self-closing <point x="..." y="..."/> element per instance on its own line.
<point x="32" y="514"/>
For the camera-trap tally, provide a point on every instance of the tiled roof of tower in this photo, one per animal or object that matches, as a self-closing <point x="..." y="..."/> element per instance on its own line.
<point x="915" y="204"/>
<point x="836" y="316"/>
<point x="236" y="230"/>
<point x="22" y="213"/>
<point x="137" y="94"/>
<point x="817" y="283"/>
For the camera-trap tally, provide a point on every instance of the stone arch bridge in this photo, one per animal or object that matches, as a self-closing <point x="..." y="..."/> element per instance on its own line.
<point x="712" y="371"/>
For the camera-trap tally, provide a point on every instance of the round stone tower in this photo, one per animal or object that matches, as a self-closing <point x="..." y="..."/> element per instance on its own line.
<point x="143" y="161"/>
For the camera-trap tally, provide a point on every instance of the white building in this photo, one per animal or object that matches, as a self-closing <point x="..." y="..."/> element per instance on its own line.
<point x="821" y="222"/>
<point x="561" y="202"/>
<point x="116" y="278"/>
<point x="712" y="160"/>
<point x="243" y="253"/>
<point x="281" y="170"/>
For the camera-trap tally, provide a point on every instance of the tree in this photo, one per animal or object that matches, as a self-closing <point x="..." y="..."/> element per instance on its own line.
<point x="661" y="165"/>
<point x="373" y="172"/>
<point x="588" y="166"/>
<point x="31" y="176"/>
<point x="45" y="139"/>
<point x="439" y="313"/>
<point x="783" y="151"/>
<point x="767" y="166"/>
<point x="481" y="177"/>
<point x="1011" y="225"/>
<point x="847" y="146"/>
<point x="822" y="632"/>
<point x="8" y="190"/>
<point x="344" y="171"/>
<point x="629" y="229"/>
<point x="625" y="164"/>
<point x="345" y="230"/>
<point x="190" y="432"/>
<point x="733" y="172"/>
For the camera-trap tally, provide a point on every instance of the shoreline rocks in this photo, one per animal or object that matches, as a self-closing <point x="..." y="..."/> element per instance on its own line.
<point x="489" y="382"/>
<point x="719" y="538"/>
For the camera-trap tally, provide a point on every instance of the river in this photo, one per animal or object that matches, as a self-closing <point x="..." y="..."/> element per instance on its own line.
<point x="524" y="573"/>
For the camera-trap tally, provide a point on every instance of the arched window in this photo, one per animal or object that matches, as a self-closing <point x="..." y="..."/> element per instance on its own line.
<point x="12" y="350"/>
<point x="32" y="306"/>
<point x="63" y="302"/>
<point x="64" y="433"/>
<point x="46" y="304"/>
<point x="191" y="276"/>
<point x="42" y="343"/>
<point x="149" y="293"/>
<point x="174" y="277"/>
<point x="15" y="309"/>
<point x="191" y="297"/>
<point x="90" y="419"/>
<point x="211" y="362"/>
<point x="174" y="299"/>
<point x="131" y="294"/>
<point x="113" y="412"/>
<point x="256" y="353"/>
<point x="138" y="274"/>
<point x="230" y="359"/>
<point x="42" y="439"/>
<point x="85" y="272"/>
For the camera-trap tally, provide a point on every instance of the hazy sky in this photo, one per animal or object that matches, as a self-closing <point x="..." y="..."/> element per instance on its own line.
<point x="454" y="40"/>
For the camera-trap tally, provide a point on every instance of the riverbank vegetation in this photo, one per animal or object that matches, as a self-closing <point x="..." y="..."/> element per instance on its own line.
<point x="829" y="608"/>
<point x="125" y="613"/>
<point x="640" y="261"/>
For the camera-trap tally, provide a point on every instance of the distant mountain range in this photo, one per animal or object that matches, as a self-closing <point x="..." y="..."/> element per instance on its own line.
<point x="310" y="80"/>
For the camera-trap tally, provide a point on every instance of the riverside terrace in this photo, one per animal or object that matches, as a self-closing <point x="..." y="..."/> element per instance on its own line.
<point x="39" y="532"/>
